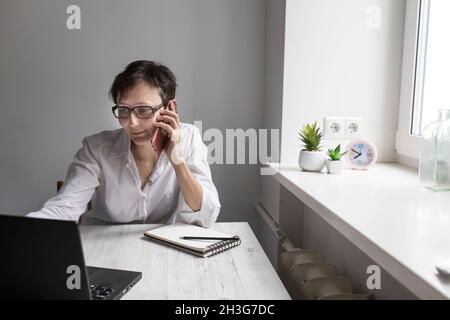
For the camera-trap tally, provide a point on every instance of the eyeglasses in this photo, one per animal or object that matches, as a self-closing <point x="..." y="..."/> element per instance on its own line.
<point x="142" y="112"/>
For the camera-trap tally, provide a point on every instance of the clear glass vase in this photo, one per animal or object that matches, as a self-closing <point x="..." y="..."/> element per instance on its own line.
<point x="434" y="164"/>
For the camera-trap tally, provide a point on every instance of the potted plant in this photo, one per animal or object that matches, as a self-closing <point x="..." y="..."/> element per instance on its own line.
<point x="334" y="163"/>
<point x="311" y="158"/>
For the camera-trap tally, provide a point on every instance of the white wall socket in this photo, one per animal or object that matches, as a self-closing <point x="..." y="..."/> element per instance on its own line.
<point x="334" y="127"/>
<point x="342" y="128"/>
<point x="353" y="127"/>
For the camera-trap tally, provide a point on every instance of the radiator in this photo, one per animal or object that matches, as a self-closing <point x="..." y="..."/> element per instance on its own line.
<point x="304" y="273"/>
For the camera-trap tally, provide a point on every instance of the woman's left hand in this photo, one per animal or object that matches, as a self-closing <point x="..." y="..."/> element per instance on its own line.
<point x="169" y="120"/>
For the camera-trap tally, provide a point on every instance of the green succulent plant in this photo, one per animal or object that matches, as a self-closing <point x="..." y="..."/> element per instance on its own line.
<point x="336" y="153"/>
<point x="311" y="136"/>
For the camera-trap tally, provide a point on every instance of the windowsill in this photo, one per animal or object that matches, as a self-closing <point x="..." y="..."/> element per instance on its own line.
<point x="408" y="161"/>
<point x="402" y="226"/>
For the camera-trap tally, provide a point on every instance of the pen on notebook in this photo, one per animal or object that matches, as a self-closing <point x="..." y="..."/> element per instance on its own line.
<point x="209" y="238"/>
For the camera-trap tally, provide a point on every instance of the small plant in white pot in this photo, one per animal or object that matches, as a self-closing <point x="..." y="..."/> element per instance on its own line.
<point x="311" y="158"/>
<point x="334" y="163"/>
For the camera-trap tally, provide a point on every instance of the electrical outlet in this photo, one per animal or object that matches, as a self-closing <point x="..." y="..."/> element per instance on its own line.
<point x="334" y="128"/>
<point x="353" y="127"/>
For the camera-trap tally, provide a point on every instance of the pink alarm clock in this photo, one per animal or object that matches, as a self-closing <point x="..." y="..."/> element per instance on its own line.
<point x="361" y="154"/>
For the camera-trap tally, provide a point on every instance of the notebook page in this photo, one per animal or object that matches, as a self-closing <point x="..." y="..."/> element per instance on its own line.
<point x="173" y="232"/>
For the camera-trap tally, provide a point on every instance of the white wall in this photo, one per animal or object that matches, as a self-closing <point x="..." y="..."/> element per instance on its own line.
<point x="54" y="83"/>
<point x="330" y="64"/>
<point x="336" y="66"/>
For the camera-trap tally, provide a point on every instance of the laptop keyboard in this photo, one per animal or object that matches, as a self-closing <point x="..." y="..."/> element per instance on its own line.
<point x="101" y="292"/>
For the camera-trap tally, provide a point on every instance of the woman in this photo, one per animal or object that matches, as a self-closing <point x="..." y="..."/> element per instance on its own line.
<point x="122" y="173"/>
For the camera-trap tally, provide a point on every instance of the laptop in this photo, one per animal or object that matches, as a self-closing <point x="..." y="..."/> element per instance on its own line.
<point x="43" y="259"/>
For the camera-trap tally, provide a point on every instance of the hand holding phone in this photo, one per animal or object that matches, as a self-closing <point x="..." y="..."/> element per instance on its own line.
<point x="159" y="139"/>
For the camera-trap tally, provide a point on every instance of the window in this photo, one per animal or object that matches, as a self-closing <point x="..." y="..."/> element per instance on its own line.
<point x="426" y="71"/>
<point x="432" y="90"/>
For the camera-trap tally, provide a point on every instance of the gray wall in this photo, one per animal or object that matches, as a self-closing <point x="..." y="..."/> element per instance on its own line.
<point x="270" y="189"/>
<point x="54" y="83"/>
<point x="275" y="29"/>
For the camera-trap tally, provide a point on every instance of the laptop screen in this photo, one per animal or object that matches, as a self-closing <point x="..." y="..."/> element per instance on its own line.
<point x="41" y="259"/>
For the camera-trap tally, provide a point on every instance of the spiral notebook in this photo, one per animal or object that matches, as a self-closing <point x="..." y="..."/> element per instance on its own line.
<point x="171" y="235"/>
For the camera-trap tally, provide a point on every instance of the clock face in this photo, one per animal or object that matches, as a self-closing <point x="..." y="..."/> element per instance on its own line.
<point x="361" y="154"/>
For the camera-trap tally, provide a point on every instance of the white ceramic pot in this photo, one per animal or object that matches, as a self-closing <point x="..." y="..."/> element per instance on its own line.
<point x="311" y="160"/>
<point x="334" y="166"/>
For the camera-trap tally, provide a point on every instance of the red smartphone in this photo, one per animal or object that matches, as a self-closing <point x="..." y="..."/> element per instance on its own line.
<point x="159" y="140"/>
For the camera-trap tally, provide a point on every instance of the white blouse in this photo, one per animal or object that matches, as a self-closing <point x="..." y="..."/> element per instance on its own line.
<point x="104" y="170"/>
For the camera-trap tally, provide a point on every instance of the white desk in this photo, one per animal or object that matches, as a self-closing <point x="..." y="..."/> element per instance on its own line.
<point x="243" y="272"/>
<point x="402" y="226"/>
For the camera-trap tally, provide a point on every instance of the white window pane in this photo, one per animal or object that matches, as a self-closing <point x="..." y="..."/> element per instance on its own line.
<point x="436" y="77"/>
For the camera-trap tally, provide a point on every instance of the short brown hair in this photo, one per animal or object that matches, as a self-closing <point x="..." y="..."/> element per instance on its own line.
<point x="153" y="73"/>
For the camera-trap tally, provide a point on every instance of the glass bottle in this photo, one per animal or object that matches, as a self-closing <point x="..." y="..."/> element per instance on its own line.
<point x="434" y="164"/>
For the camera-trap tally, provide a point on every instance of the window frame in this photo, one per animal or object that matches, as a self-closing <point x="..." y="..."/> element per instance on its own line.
<point x="407" y="144"/>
